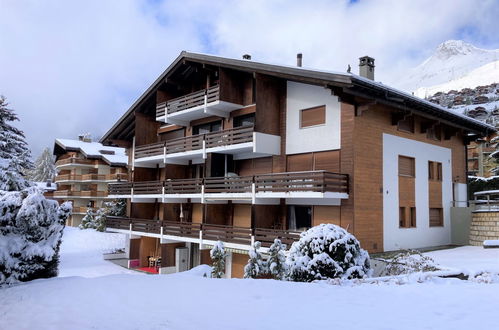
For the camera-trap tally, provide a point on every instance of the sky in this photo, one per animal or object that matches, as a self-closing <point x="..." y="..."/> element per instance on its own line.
<point x="71" y="67"/>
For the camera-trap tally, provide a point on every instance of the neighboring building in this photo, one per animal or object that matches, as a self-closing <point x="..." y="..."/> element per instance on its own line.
<point x="479" y="161"/>
<point x="84" y="169"/>
<point x="48" y="188"/>
<point x="238" y="151"/>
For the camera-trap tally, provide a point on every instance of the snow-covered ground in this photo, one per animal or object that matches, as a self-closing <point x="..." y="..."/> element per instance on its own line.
<point x="81" y="253"/>
<point x="188" y="301"/>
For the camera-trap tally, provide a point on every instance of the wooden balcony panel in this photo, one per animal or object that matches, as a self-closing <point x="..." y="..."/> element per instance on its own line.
<point x="237" y="184"/>
<point x="148" y="187"/>
<point x="160" y="109"/>
<point x="184" y="144"/>
<point x="183" y="186"/>
<point x="60" y="193"/>
<point x="68" y="177"/>
<point x="118" y="222"/>
<point x="93" y="177"/>
<point x="120" y="188"/>
<point x="148" y="150"/>
<point x="314" y="181"/>
<point x="230" y="234"/>
<point x="93" y="193"/>
<point x="181" y="229"/>
<point x="267" y="236"/>
<point x="146" y="226"/>
<point x="191" y="100"/>
<point x="229" y="137"/>
<point x="72" y="160"/>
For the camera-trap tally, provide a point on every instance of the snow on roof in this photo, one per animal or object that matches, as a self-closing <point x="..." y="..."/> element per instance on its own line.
<point x="111" y="155"/>
<point x="45" y="186"/>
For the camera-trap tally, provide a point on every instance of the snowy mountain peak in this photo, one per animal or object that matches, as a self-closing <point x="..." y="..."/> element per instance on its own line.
<point x="451" y="48"/>
<point x="452" y="60"/>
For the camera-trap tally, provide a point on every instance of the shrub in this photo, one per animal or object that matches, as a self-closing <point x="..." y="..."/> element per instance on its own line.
<point x="276" y="263"/>
<point x="325" y="252"/>
<point x="409" y="261"/>
<point x="218" y="256"/>
<point x="256" y="266"/>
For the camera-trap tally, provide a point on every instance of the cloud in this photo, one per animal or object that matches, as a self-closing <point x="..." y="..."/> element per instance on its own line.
<point x="76" y="66"/>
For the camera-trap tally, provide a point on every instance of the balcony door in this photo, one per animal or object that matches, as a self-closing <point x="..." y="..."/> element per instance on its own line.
<point x="214" y="126"/>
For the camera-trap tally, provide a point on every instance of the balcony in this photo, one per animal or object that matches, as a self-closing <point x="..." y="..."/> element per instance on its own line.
<point x="80" y="194"/>
<point x="311" y="187"/>
<point x="201" y="233"/>
<point x="80" y="209"/>
<point x="75" y="162"/>
<point x="91" y="177"/>
<point x="197" y="105"/>
<point x="241" y="142"/>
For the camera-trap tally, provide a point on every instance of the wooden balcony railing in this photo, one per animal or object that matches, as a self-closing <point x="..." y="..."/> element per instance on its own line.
<point x="93" y="177"/>
<point x="319" y="181"/>
<point x="311" y="181"/>
<point x="188" y="101"/>
<point x="195" y="142"/>
<point x="93" y="193"/>
<point x="68" y="177"/>
<point x="63" y="193"/>
<point x="73" y="160"/>
<point x="183" y="186"/>
<point x="80" y="209"/>
<point x="235" y="184"/>
<point x="212" y="232"/>
<point x="120" y="188"/>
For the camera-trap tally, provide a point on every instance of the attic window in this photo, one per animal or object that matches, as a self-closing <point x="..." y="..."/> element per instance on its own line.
<point x="406" y="125"/>
<point x="107" y="152"/>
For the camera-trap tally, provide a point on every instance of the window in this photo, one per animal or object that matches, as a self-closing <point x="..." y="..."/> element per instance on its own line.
<point x="406" y="125"/>
<point x="214" y="126"/>
<point x="313" y="116"/>
<point x="246" y="120"/>
<point x="435" y="171"/>
<point x="299" y="217"/>
<point x="405" y="222"/>
<point x="436" y="217"/>
<point x="406" y="166"/>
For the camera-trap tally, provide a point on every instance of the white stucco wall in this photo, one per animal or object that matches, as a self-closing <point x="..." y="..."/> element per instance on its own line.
<point x="317" y="138"/>
<point x="395" y="238"/>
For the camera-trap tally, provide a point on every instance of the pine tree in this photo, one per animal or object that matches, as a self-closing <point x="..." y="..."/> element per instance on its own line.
<point x="14" y="151"/>
<point x="88" y="220"/>
<point x="30" y="235"/>
<point x="256" y="266"/>
<point x="218" y="256"/>
<point x="44" y="168"/>
<point x="116" y="208"/>
<point x="277" y="260"/>
<point x="100" y="220"/>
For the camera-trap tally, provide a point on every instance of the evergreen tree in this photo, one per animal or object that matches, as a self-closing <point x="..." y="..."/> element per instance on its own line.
<point x="256" y="266"/>
<point x="116" y="208"/>
<point x="44" y="168"/>
<point x="277" y="260"/>
<point x="88" y="220"/>
<point x="13" y="150"/>
<point x="30" y="235"/>
<point x="218" y="256"/>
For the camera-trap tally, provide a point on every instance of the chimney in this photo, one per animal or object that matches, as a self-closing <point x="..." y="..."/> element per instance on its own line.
<point x="299" y="58"/>
<point x="247" y="57"/>
<point x="366" y="67"/>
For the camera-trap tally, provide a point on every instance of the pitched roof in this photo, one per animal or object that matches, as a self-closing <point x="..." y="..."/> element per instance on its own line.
<point x="348" y="82"/>
<point x="111" y="155"/>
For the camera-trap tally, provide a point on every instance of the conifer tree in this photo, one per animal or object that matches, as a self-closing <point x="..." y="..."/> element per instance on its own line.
<point x="14" y="151"/>
<point x="256" y="266"/>
<point x="88" y="220"/>
<point x="218" y="256"/>
<point x="277" y="260"/>
<point x="44" y="169"/>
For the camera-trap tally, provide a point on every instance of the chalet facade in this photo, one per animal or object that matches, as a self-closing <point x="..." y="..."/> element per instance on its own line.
<point x="238" y="151"/>
<point x="84" y="170"/>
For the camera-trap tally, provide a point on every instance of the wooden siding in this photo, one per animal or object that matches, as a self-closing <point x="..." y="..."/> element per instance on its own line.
<point x="326" y="214"/>
<point x="168" y="253"/>
<point x="238" y="262"/>
<point x="242" y="215"/>
<point x="268" y="90"/>
<point x="148" y="247"/>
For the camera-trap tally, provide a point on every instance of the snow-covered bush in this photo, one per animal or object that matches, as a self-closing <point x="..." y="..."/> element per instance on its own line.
<point x="94" y="220"/>
<point x="327" y="251"/>
<point x="409" y="261"/>
<point x="218" y="255"/>
<point x="276" y="262"/>
<point x="30" y="235"/>
<point x="256" y="266"/>
<point x="116" y="208"/>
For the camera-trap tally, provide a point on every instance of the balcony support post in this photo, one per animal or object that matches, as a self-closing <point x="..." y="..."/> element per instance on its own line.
<point x="162" y="196"/>
<point x="164" y="154"/>
<point x="133" y="153"/>
<point x="200" y="239"/>
<point x="253" y="193"/>
<point x="204" y="148"/>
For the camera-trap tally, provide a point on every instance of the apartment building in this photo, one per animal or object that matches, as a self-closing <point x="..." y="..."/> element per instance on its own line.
<point x="84" y="170"/>
<point x="479" y="161"/>
<point x="239" y="150"/>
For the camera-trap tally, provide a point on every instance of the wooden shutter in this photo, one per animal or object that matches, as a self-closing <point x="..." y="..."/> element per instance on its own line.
<point x="436" y="218"/>
<point x="313" y="116"/>
<point x="406" y="166"/>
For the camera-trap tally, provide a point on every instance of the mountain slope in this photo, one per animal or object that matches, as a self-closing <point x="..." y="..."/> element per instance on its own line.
<point x="452" y="60"/>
